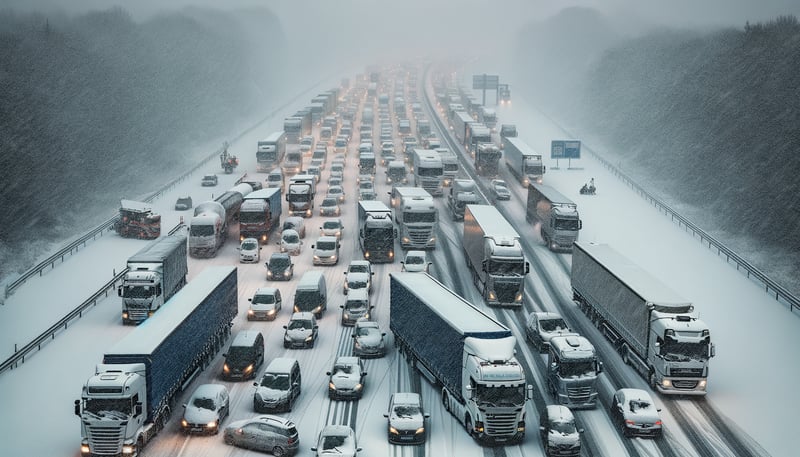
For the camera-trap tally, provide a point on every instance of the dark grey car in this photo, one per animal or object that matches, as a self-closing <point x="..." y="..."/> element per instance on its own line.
<point x="266" y="433"/>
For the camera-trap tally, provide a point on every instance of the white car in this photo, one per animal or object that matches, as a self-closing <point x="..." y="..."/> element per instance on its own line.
<point x="295" y="223"/>
<point x="207" y="407"/>
<point x="500" y="190"/>
<point x="358" y="275"/>
<point x="332" y="227"/>
<point x="265" y="304"/>
<point x="636" y="413"/>
<point x="290" y="242"/>
<point x="416" y="261"/>
<point x="338" y="440"/>
<point x="336" y="191"/>
<point x="249" y="251"/>
<point x="326" y="250"/>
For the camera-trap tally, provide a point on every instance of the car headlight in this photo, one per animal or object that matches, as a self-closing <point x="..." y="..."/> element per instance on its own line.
<point x="212" y="424"/>
<point x="269" y="274"/>
<point x="393" y="431"/>
<point x="357" y="344"/>
<point x="286" y="273"/>
<point x="331" y="386"/>
<point x="250" y="312"/>
<point x="420" y="430"/>
<point x="309" y="338"/>
<point x="184" y="423"/>
<point x="249" y="368"/>
<point x="226" y="368"/>
<point x="316" y="257"/>
<point x="358" y="386"/>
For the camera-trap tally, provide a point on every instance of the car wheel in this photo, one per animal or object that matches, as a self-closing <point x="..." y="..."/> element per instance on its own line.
<point x="278" y="451"/>
<point x="228" y="439"/>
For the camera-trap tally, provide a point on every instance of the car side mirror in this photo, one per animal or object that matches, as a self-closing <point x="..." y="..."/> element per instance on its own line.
<point x="341" y="306"/>
<point x="358" y="449"/>
<point x="250" y="300"/>
<point x="77" y="407"/>
<point x="580" y="430"/>
<point x="327" y="373"/>
<point x="383" y="334"/>
<point x="184" y="405"/>
<point x="316" y="327"/>
<point x="385" y="415"/>
<point x="284" y="327"/>
<point x="363" y="373"/>
<point x="255" y="384"/>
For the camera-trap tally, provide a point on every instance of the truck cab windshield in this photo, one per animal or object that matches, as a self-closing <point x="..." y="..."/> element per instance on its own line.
<point x="201" y="230"/>
<point x="674" y="351"/>
<point x="501" y="267"/>
<point x="138" y="292"/>
<point x="567" y="224"/>
<point x="499" y="396"/>
<point x="100" y="405"/>
<point x="576" y="368"/>
<point x="432" y="172"/>
<point x="429" y="217"/>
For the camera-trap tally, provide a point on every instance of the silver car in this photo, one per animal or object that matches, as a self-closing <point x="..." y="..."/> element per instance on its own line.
<point x="346" y="379"/>
<point x="368" y="340"/>
<point x="406" y="419"/>
<point x="301" y="331"/>
<point x="636" y="413"/>
<point x="338" y="440"/>
<point x="266" y="433"/>
<point x="207" y="407"/>
<point x="543" y="326"/>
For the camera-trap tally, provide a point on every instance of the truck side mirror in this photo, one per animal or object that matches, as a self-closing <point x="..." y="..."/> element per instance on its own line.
<point x="527" y="267"/>
<point x="580" y="225"/>
<point x="77" y="407"/>
<point x="599" y="367"/>
<point x="119" y="291"/>
<point x="712" y="350"/>
<point x="529" y="392"/>
<point x="138" y="409"/>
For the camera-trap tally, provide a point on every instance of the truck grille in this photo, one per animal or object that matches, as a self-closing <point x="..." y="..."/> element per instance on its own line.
<point x="686" y="372"/>
<point x="579" y="394"/>
<point x="500" y="424"/>
<point x="137" y="312"/>
<point x="105" y="440"/>
<point x="506" y="292"/>
<point x="684" y="384"/>
<point x="419" y="237"/>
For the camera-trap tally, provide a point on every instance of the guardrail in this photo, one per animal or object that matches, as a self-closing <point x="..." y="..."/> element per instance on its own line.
<point x="771" y="287"/>
<point x="50" y="334"/>
<point x="781" y="294"/>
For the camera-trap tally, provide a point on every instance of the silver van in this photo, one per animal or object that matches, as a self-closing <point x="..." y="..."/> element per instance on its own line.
<point x="311" y="294"/>
<point x="279" y="387"/>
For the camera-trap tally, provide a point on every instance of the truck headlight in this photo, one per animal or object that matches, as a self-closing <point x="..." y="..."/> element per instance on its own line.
<point x="85" y="449"/>
<point x="250" y="312"/>
<point x="702" y="384"/>
<point x="127" y="449"/>
<point x="518" y="297"/>
<point x="226" y="368"/>
<point x="249" y="368"/>
<point x="666" y="383"/>
<point x="269" y="274"/>
<point x="492" y="295"/>
<point x="184" y="423"/>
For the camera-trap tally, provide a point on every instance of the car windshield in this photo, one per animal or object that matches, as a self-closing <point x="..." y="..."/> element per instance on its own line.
<point x="563" y="427"/>
<point x="358" y="268"/>
<point x="329" y="202"/>
<point x="326" y="245"/>
<point x="291" y="238"/>
<point x="275" y="381"/>
<point x="298" y="324"/>
<point x="355" y="304"/>
<point x="342" y="368"/>
<point x="279" y="262"/>
<point x="331" y="225"/>
<point x="553" y="325"/>
<point x="203" y="403"/>
<point x="333" y="442"/>
<point x="335" y="190"/>
<point x="577" y="368"/>
<point x="407" y="411"/>
<point x="249" y="245"/>
<point x="266" y="299"/>
<point x="366" y="331"/>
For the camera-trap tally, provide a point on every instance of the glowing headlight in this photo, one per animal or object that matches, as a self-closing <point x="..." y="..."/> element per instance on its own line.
<point x="226" y="368"/>
<point x="420" y="430"/>
<point x="393" y="431"/>
<point x="358" y="387"/>
<point x="211" y="424"/>
<point x="309" y="338"/>
<point x="666" y="383"/>
<point x="127" y="449"/>
<point x="249" y="368"/>
<point x="331" y="386"/>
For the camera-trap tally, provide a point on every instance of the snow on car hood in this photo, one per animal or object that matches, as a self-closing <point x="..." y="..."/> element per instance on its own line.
<point x="195" y="415"/>
<point x="271" y="394"/>
<point x="298" y="334"/>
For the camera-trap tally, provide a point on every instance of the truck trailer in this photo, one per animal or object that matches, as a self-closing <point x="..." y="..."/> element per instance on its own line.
<point x="655" y="329"/>
<point x="155" y="274"/>
<point x="461" y="121"/>
<point x="487" y="159"/>
<point x="521" y="160"/>
<point x="465" y="353"/>
<point x="376" y="232"/>
<point x="132" y="393"/>
<point x="260" y="213"/>
<point x="556" y="215"/>
<point x="494" y="256"/>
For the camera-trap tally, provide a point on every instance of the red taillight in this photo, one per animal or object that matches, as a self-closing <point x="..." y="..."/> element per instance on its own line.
<point x="658" y="422"/>
<point x="630" y="422"/>
<point x="291" y="440"/>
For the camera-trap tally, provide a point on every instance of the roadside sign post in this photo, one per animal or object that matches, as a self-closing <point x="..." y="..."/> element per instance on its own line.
<point x="565" y="149"/>
<point x="484" y="82"/>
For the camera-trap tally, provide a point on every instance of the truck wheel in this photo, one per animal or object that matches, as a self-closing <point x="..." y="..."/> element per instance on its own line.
<point x="652" y="378"/>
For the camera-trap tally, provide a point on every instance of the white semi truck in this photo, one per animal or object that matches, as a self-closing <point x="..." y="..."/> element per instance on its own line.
<point x="463" y="192"/>
<point x="555" y="215"/>
<point x="428" y="171"/>
<point x="132" y="393"/>
<point x="463" y="352"/>
<point x="656" y="330"/>
<point x="494" y="256"/>
<point x="155" y="274"/>
<point x="572" y="371"/>
<point x="300" y="195"/>
<point x="522" y="161"/>
<point x="416" y="217"/>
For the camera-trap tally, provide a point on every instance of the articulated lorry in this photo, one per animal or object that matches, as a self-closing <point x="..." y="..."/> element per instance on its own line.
<point x="655" y="329"/>
<point x="428" y="171"/>
<point x="155" y="273"/>
<point x="208" y="229"/>
<point x="376" y="232"/>
<point x="132" y="393"/>
<point x="461" y="121"/>
<point x="300" y="195"/>
<point x="450" y="166"/>
<point x="556" y="215"/>
<point x="293" y="160"/>
<point x="465" y="353"/>
<point x="260" y="213"/>
<point x="416" y="216"/>
<point x="487" y="159"/>
<point x="525" y="164"/>
<point x="270" y="151"/>
<point x="137" y="220"/>
<point x="572" y="371"/>
<point x="463" y="192"/>
<point x="494" y="256"/>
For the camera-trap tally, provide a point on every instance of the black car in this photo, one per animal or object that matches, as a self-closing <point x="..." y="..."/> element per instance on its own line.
<point x="280" y="267"/>
<point x="183" y="203"/>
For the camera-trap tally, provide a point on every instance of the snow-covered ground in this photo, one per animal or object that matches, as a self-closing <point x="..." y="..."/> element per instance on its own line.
<point x="751" y="379"/>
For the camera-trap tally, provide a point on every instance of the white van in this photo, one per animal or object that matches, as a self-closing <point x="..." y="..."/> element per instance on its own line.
<point x="275" y="179"/>
<point x="311" y="294"/>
